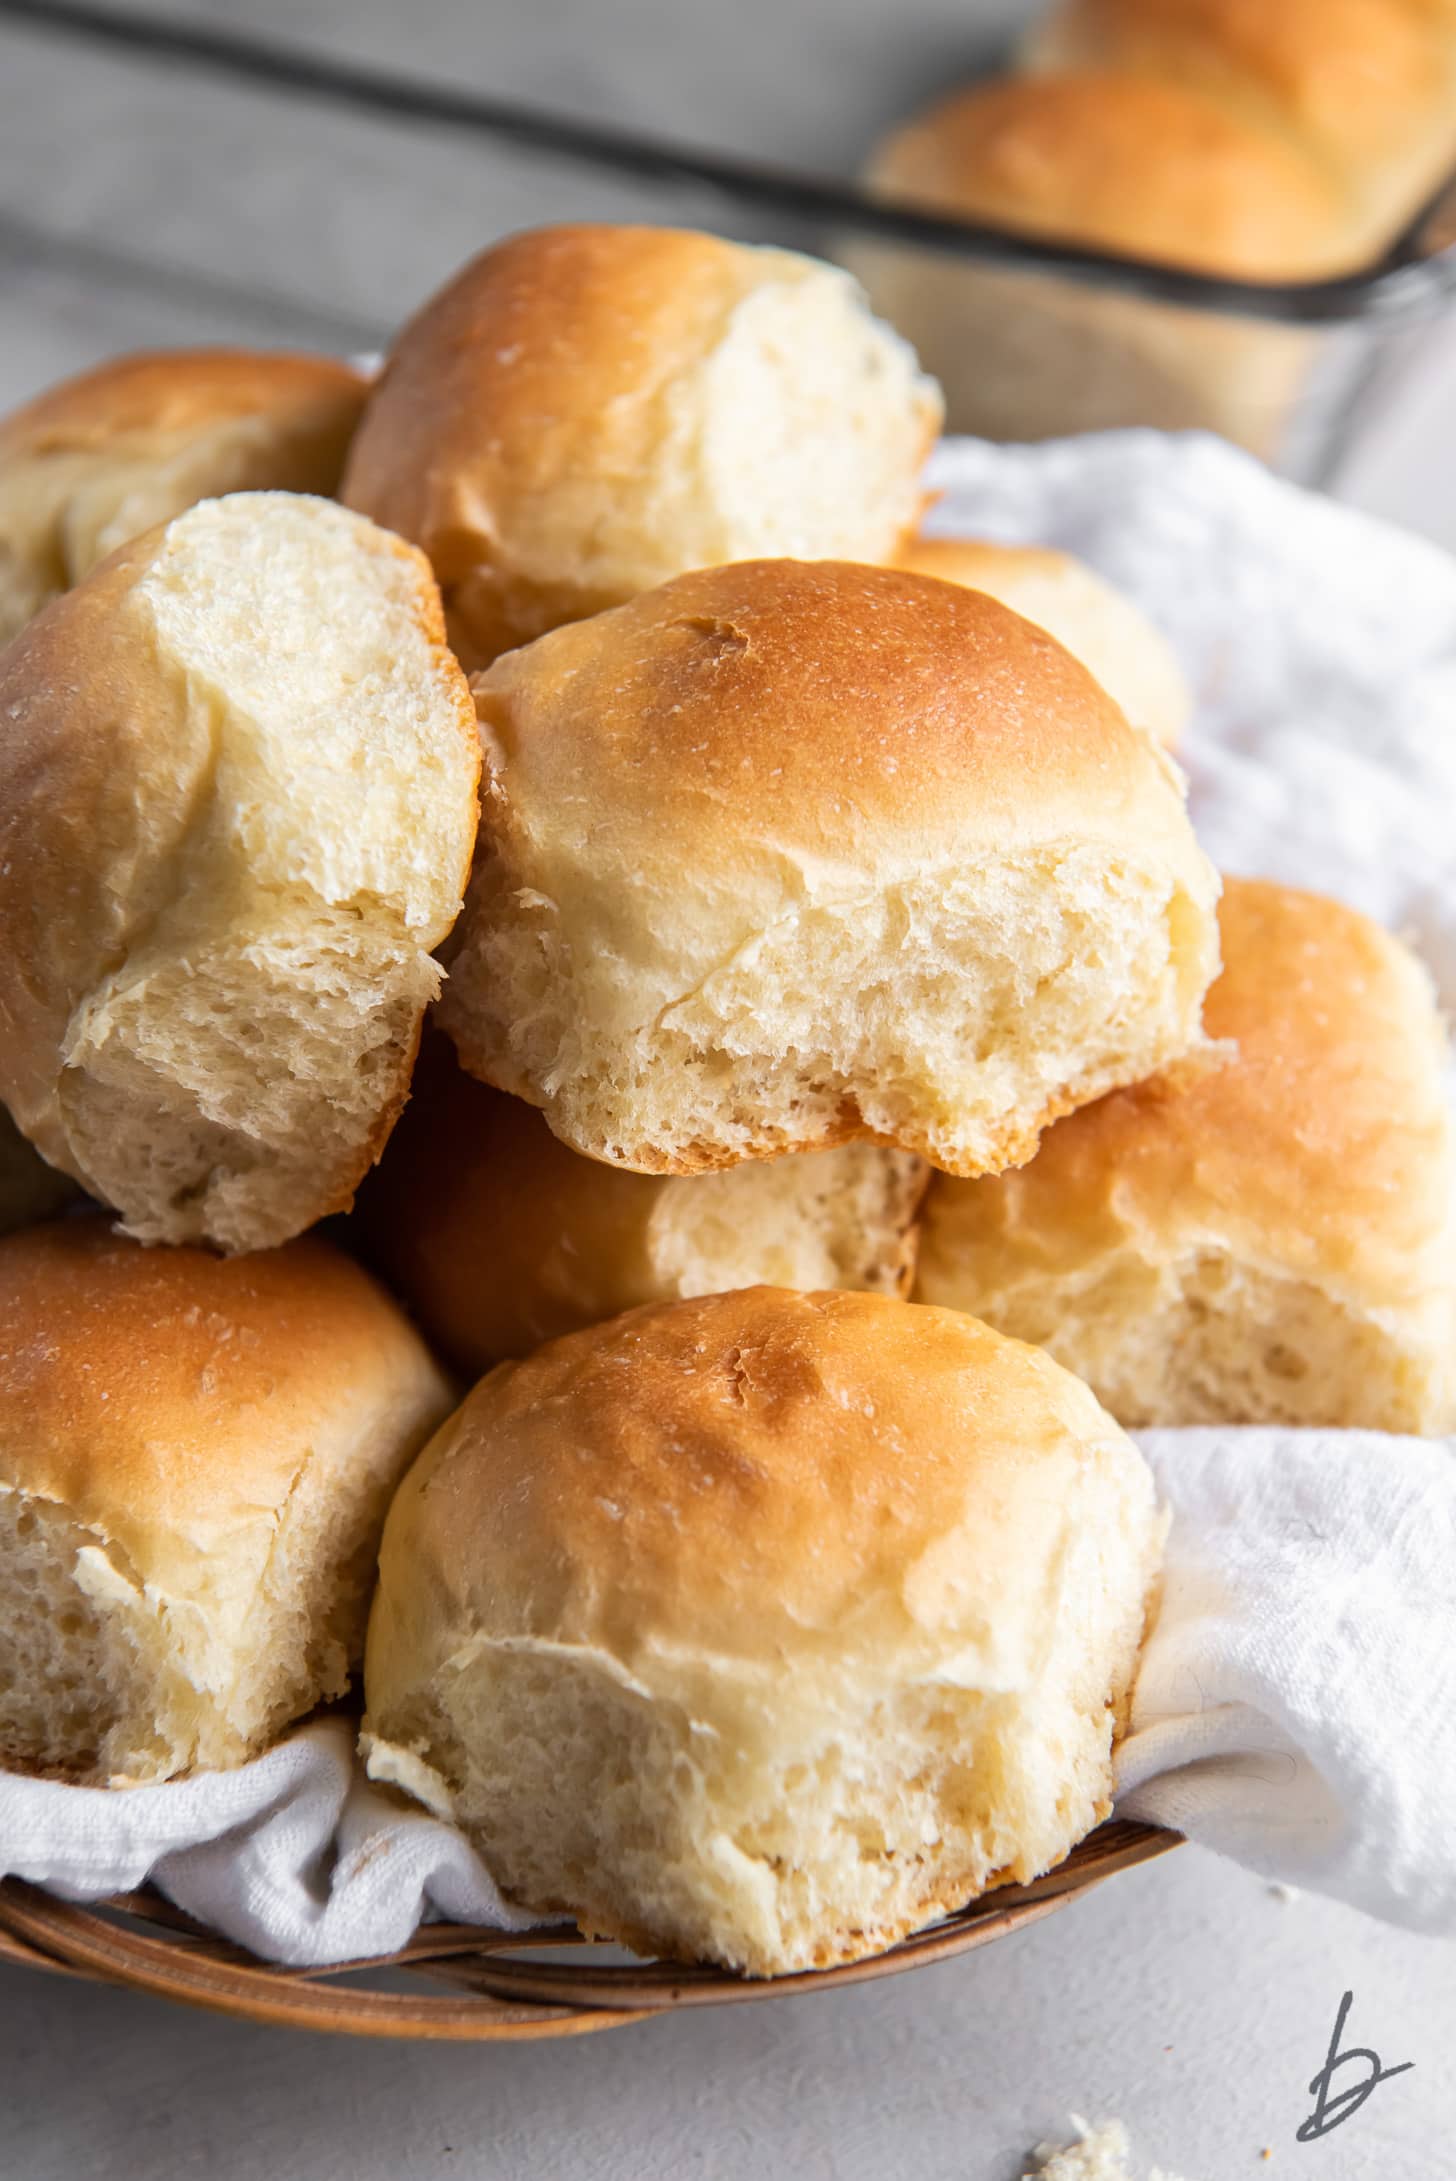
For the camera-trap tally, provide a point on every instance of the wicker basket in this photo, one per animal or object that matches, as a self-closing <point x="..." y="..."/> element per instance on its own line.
<point x="508" y="1984"/>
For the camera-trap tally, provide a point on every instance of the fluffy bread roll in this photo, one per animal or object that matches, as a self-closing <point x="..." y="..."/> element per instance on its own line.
<point x="238" y="774"/>
<point x="1114" y="640"/>
<point x="1126" y="163"/>
<point x="1367" y="86"/>
<point x="497" y="1237"/>
<point x="94" y="462"/>
<point x="1137" y="167"/>
<point x="791" y="854"/>
<point x="766" y="1627"/>
<point x="1250" y="140"/>
<point x="585" y="412"/>
<point x="1264" y="1235"/>
<point x="196" y="1454"/>
<point x="29" y="1189"/>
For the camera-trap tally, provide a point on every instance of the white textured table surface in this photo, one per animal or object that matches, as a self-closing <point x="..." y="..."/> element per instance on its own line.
<point x="139" y="208"/>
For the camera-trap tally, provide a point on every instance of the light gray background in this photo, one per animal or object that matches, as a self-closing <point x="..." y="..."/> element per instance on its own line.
<point x="142" y="207"/>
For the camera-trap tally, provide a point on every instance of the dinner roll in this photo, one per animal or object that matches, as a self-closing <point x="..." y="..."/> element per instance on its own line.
<point x="497" y="1237"/>
<point x="586" y="411"/>
<point x="94" y="462"/>
<point x="1128" y="163"/>
<point x="195" y="1458"/>
<point x="1139" y="168"/>
<point x="238" y="775"/>
<point x="29" y="1189"/>
<point x="765" y="1627"/>
<point x="1365" y="85"/>
<point x="1264" y="1235"/>
<point x="1134" y="662"/>
<point x="787" y="854"/>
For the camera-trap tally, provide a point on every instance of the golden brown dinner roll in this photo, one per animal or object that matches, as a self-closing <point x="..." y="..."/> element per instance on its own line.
<point x="94" y="462"/>
<point x="1136" y="167"/>
<point x="587" y="411"/>
<point x="1264" y="141"/>
<point x="497" y="1237"/>
<point x="764" y="1627"/>
<point x="1264" y="1235"/>
<point x="1114" y="640"/>
<point x="793" y="853"/>
<point x="1128" y="163"/>
<point x="238" y="775"/>
<point x="29" y="1189"/>
<point x="195" y="1458"/>
<point x="1368" y="86"/>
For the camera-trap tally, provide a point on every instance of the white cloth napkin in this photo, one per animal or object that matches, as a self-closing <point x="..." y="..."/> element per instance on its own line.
<point x="1320" y="642"/>
<point x="1296" y="1706"/>
<point x="1296" y="1703"/>
<point x="295" y="1855"/>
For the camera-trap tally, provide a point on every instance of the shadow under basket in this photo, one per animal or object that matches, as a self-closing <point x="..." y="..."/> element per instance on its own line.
<point x="507" y="1984"/>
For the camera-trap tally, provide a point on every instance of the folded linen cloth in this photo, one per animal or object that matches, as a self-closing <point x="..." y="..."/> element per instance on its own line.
<point x="1296" y="1706"/>
<point x="295" y="1855"/>
<point x="1296" y="1702"/>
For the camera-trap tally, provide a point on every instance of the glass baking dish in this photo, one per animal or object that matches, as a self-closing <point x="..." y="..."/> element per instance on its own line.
<point x="238" y="189"/>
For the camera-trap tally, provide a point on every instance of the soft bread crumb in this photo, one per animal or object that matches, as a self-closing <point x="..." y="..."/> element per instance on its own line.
<point x="1268" y="1237"/>
<point x="215" y="925"/>
<point x="497" y="1237"/>
<point x="1100" y="2153"/>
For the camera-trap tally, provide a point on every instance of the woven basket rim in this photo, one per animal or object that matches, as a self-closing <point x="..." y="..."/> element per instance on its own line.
<point x="499" y="1987"/>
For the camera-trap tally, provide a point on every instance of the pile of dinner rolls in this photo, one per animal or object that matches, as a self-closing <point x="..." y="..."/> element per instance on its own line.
<point x="790" y="915"/>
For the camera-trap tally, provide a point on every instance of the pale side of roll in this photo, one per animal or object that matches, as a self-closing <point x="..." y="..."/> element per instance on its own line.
<point x="92" y="463"/>
<point x="766" y="1627"/>
<point x="196" y="1454"/>
<point x="497" y="1237"/>
<point x="1112" y="637"/>
<point x="585" y="412"/>
<point x="238" y="774"/>
<point x="790" y="854"/>
<point x="1263" y="1236"/>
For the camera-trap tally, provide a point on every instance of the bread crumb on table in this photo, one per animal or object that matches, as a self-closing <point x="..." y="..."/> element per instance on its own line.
<point x="1100" y="2153"/>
